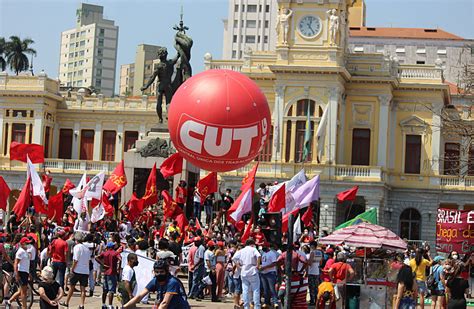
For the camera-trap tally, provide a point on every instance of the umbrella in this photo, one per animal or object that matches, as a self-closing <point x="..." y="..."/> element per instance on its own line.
<point x="365" y="235"/>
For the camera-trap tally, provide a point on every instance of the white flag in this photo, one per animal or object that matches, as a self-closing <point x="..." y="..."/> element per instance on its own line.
<point x="98" y="213"/>
<point x="321" y="132"/>
<point x="78" y="194"/>
<point x="296" y="181"/>
<point x="36" y="183"/>
<point x="94" y="187"/>
<point x="307" y="193"/>
<point x="297" y="229"/>
<point x="244" y="205"/>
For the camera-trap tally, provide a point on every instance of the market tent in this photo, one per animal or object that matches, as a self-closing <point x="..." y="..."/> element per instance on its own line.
<point x="365" y="235"/>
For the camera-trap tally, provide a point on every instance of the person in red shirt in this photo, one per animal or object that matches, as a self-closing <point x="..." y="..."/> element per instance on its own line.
<point x="191" y="253"/>
<point x="341" y="272"/>
<point x="181" y="194"/>
<point x="329" y="262"/>
<point x="258" y="236"/>
<point x="110" y="260"/>
<point x="57" y="250"/>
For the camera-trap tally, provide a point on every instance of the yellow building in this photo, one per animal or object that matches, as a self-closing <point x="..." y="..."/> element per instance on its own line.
<point x="385" y="126"/>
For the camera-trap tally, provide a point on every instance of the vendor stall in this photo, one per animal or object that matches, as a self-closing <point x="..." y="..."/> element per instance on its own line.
<point x="374" y="282"/>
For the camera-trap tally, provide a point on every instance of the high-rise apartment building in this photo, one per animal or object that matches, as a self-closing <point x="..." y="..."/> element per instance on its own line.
<point x="89" y="51"/>
<point x="134" y="75"/>
<point x="250" y="24"/>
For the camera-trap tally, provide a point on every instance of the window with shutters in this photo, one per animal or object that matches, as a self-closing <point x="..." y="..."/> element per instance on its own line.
<point x="47" y="138"/>
<point x="129" y="140"/>
<point x="65" y="140"/>
<point x="266" y="153"/>
<point x="19" y="132"/>
<point x="360" y="147"/>
<point x="412" y="154"/>
<point x="451" y="159"/>
<point x="87" y="145"/>
<point x="108" y="145"/>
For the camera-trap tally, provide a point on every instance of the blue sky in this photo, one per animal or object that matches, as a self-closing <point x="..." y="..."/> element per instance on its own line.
<point x="150" y="22"/>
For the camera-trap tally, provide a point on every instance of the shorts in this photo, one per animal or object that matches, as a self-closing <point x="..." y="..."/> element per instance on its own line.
<point x="438" y="293"/>
<point x="110" y="284"/>
<point x="24" y="276"/>
<point x="83" y="279"/>
<point x="421" y="287"/>
<point x="237" y="285"/>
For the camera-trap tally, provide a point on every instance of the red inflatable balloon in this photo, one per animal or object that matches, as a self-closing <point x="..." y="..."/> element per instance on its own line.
<point x="219" y="120"/>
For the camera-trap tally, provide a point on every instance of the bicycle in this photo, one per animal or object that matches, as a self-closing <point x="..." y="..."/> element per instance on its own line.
<point x="14" y="286"/>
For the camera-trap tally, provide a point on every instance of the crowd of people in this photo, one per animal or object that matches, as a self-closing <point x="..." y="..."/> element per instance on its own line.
<point x="222" y="263"/>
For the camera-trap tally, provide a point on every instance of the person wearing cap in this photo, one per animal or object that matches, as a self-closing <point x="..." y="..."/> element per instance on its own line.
<point x="57" y="250"/>
<point x="210" y="264"/>
<point x="439" y="292"/>
<point x="268" y="274"/>
<point x="110" y="260"/>
<point x="249" y="260"/>
<point x="50" y="291"/>
<point x="169" y="289"/>
<point x="22" y="271"/>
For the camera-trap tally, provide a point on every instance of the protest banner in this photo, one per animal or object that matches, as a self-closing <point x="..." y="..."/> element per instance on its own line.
<point x="455" y="231"/>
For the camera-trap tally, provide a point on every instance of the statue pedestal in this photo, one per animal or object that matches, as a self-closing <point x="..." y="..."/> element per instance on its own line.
<point x="138" y="163"/>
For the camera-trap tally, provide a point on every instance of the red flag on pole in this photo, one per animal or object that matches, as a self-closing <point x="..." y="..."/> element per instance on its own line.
<point x="172" y="165"/>
<point x="151" y="195"/>
<point x="207" y="185"/>
<point x="278" y="200"/>
<point x="68" y="185"/>
<point x="109" y="209"/>
<point x="135" y="207"/>
<point x="46" y="181"/>
<point x="117" y="180"/>
<point x="284" y="221"/>
<point x="56" y="207"/>
<point x="307" y="217"/>
<point x="348" y="195"/>
<point x="182" y="222"/>
<point x="170" y="207"/>
<point x="24" y="200"/>
<point x="39" y="205"/>
<point x="19" y="152"/>
<point x="249" y="179"/>
<point x="4" y="193"/>
<point x="247" y="232"/>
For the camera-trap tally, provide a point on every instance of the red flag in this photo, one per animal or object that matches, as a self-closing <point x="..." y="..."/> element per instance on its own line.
<point x="278" y="200"/>
<point x="117" y="180"/>
<point x="68" y="185"/>
<point x="182" y="222"/>
<point x="247" y="231"/>
<point x="240" y="225"/>
<point x="170" y="207"/>
<point x="348" y="195"/>
<point x="109" y="209"/>
<point x="198" y="224"/>
<point x="19" y="151"/>
<point x="46" y="182"/>
<point x="249" y="179"/>
<point x="56" y="207"/>
<point x="39" y="205"/>
<point x="4" y="193"/>
<point x="24" y="200"/>
<point x="307" y="217"/>
<point x="151" y="196"/>
<point x="284" y="221"/>
<point x="241" y="206"/>
<point x="207" y="185"/>
<point x="172" y="165"/>
<point x="135" y="207"/>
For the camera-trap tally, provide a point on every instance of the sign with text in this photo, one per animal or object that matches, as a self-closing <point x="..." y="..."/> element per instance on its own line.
<point x="455" y="231"/>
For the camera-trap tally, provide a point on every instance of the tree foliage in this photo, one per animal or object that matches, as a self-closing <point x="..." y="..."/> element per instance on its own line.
<point x="16" y="51"/>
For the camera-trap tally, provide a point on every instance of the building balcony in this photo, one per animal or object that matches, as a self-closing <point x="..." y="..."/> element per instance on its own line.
<point x="62" y="166"/>
<point x="419" y="74"/>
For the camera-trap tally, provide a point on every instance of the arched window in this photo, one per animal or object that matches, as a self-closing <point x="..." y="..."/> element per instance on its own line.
<point x="410" y="224"/>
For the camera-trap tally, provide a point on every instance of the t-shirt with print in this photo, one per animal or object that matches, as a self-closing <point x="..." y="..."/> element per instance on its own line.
<point x="173" y="286"/>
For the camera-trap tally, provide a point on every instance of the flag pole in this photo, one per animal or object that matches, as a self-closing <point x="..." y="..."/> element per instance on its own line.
<point x="349" y="212"/>
<point x="289" y="255"/>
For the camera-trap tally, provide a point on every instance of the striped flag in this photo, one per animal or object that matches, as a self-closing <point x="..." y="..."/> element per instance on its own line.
<point x="321" y="133"/>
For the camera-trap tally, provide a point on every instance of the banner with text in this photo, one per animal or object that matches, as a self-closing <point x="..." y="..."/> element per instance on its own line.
<point x="455" y="231"/>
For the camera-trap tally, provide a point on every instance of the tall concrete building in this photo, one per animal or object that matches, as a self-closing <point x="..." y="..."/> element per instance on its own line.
<point x="89" y="51"/>
<point x="250" y="24"/>
<point x="134" y="75"/>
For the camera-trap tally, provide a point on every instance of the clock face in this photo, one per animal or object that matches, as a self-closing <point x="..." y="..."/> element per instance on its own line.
<point x="309" y="26"/>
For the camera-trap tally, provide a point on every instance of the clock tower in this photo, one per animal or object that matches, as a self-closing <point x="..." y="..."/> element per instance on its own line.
<point x="312" y="32"/>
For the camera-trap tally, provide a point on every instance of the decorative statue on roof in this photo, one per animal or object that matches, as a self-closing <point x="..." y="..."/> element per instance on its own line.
<point x="180" y="66"/>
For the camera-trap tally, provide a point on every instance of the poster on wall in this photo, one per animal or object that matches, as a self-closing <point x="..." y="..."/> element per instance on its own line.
<point x="455" y="231"/>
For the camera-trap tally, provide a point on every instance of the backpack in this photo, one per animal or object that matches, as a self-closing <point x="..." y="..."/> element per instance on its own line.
<point x="431" y="281"/>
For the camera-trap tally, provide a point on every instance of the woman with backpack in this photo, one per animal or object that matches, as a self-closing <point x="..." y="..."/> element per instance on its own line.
<point x="407" y="289"/>
<point x="418" y="266"/>
<point x="436" y="283"/>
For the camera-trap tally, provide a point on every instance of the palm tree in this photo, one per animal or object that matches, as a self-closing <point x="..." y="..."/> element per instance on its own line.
<point x="3" y="63"/>
<point x="16" y="53"/>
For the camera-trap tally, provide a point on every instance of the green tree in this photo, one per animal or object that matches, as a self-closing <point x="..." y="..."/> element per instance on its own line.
<point x="16" y="53"/>
<point x="3" y="63"/>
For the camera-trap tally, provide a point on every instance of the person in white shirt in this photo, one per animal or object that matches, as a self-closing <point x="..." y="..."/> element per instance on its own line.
<point x="249" y="259"/>
<point x="22" y="271"/>
<point x="197" y="204"/>
<point x="210" y="264"/>
<point x="315" y="257"/>
<point x="268" y="274"/>
<point x="79" y="269"/>
<point x="129" y="279"/>
<point x="82" y="223"/>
